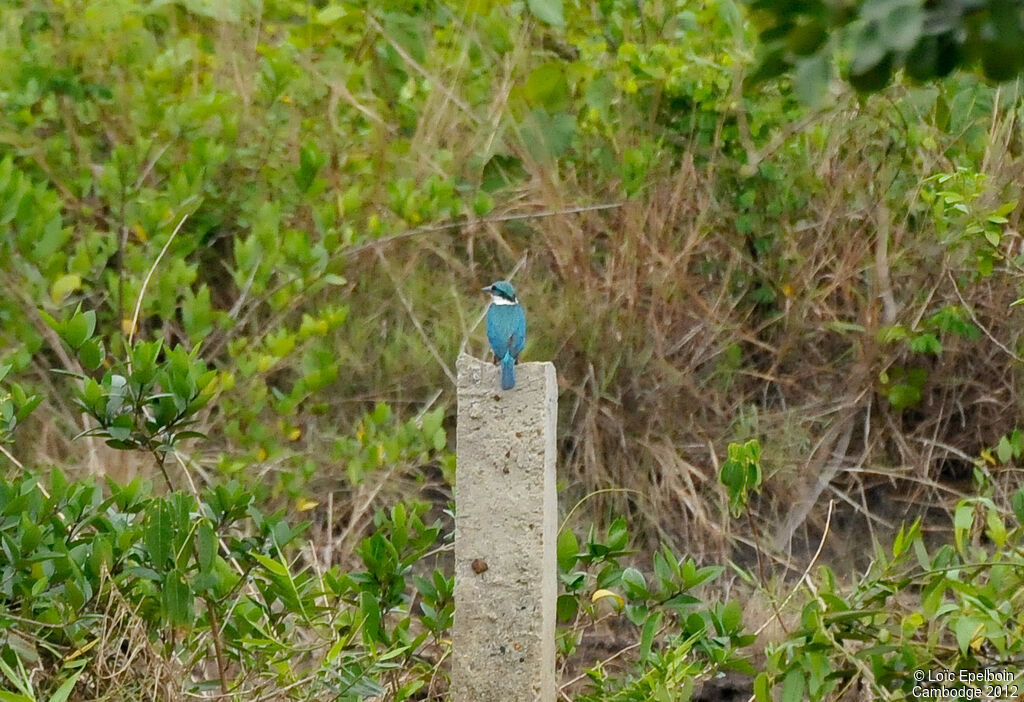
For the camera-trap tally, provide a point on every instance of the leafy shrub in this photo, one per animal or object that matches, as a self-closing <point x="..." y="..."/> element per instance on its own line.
<point x="211" y="589"/>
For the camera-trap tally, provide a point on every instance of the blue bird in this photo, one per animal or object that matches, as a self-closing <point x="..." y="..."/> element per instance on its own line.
<point x="506" y="329"/>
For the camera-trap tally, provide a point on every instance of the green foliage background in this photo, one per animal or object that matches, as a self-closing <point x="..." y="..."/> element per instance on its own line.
<point x="305" y="199"/>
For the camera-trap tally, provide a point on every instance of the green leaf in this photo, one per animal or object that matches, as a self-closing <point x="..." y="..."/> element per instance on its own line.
<point x="483" y="203"/>
<point x="78" y="329"/>
<point x="600" y="94"/>
<point x="703" y="574"/>
<point x="793" y="686"/>
<point x="818" y="667"/>
<point x="74" y="594"/>
<point x="274" y="566"/>
<point x="966" y="629"/>
<point x="731" y="617"/>
<point x="1006" y="208"/>
<point x="157" y="534"/>
<point x="29" y="405"/>
<point x="176" y="599"/>
<point x="547" y="87"/>
<point x="31" y="534"/>
<point x="879" y="10"/>
<point x="1017" y="503"/>
<point x="371" y="617"/>
<point x="432" y="421"/>
<point x="310" y="162"/>
<point x="567" y="607"/>
<point x="206" y="546"/>
<point x="873" y="78"/>
<point x="963" y="519"/>
<point x="546" y="136"/>
<point x="62" y="693"/>
<point x="903" y="26"/>
<point x="635" y="584"/>
<point x="568" y="548"/>
<point x="762" y="688"/>
<point x="549" y="11"/>
<point x="901" y="396"/>
<point x="647" y="635"/>
<point x="439" y="440"/>
<point x="926" y="343"/>
<point x="102" y="554"/>
<point x="1004" y="450"/>
<point x="618" y="535"/>
<point x="91" y="354"/>
<point x="811" y="79"/>
<point x="869" y="49"/>
<point x="681" y="600"/>
<point x="20" y="680"/>
<point x="331" y="14"/>
<point x="996" y="529"/>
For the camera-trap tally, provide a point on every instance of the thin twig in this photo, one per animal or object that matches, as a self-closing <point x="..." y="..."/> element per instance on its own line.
<point x="974" y="318"/>
<point x="467" y="222"/>
<point x="415" y="320"/>
<point x="594" y="494"/>
<point x="609" y="659"/>
<point x="814" y="559"/>
<point x="145" y="282"/>
<point x="834" y="443"/>
<point x="426" y="407"/>
<point x="11" y="458"/>
<point x="400" y="50"/>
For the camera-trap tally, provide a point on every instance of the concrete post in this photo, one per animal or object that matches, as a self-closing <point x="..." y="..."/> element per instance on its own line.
<point x="503" y="638"/>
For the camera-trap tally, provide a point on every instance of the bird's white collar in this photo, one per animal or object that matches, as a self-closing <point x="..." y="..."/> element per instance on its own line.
<point x="499" y="300"/>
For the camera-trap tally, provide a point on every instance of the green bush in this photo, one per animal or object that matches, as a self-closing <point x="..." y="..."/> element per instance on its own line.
<point x="251" y="241"/>
<point x="212" y="588"/>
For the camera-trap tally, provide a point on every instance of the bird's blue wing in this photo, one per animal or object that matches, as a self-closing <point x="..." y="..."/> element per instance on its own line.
<point x="517" y="338"/>
<point x="497" y="331"/>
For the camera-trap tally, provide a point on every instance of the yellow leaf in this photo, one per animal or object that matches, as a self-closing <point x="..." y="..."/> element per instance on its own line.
<point x="141" y="233"/>
<point x="81" y="650"/>
<point x="603" y="594"/>
<point x="294" y="434"/>
<point x="211" y="387"/>
<point x="64" y="286"/>
<point x="127" y="327"/>
<point x="304" y="504"/>
<point x="261" y="454"/>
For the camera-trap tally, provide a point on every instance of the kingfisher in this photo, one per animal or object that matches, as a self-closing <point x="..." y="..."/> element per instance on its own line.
<point x="506" y="329"/>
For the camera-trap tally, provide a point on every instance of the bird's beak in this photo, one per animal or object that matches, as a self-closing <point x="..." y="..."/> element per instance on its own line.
<point x="489" y="288"/>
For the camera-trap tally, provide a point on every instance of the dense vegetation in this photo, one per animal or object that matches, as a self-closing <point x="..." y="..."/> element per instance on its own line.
<point x="925" y="39"/>
<point x="241" y="246"/>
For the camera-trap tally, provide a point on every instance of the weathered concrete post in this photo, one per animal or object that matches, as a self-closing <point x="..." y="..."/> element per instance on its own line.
<point x="503" y="639"/>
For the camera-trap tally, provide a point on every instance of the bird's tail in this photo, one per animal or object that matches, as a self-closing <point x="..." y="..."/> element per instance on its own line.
<point x="508" y="372"/>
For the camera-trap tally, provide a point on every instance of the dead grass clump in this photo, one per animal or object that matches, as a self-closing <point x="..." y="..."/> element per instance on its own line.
<point x="676" y="334"/>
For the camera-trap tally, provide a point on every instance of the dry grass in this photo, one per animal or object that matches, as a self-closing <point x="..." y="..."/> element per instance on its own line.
<point x="664" y="356"/>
